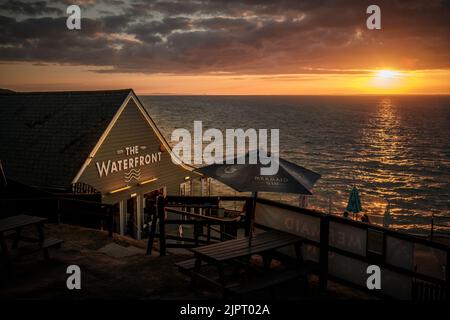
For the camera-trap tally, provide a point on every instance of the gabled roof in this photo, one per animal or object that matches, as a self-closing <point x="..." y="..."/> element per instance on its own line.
<point x="45" y="137"/>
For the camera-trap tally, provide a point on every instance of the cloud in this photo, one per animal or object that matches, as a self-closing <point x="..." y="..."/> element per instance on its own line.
<point x="163" y="27"/>
<point x="28" y="8"/>
<point x="233" y="37"/>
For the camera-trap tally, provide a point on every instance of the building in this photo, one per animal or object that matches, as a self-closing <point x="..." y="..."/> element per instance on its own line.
<point x="101" y="142"/>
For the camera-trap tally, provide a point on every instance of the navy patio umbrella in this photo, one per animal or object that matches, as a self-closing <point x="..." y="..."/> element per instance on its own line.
<point x="290" y="178"/>
<point x="246" y="177"/>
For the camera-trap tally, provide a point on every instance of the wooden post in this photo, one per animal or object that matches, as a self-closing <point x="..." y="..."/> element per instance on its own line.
<point x="5" y="253"/>
<point x="58" y="211"/>
<point x="123" y="216"/>
<point x="252" y="217"/>
<point x="162" y="225"/>
<point x="151" y="236"/>
<point x="110" y="215"/>
<point x="432" y="227"/>
<point x="139" y="216"/>
<point x="198" y="230"/>
<point x="248" y="215"/>
<point x="447" y="276"/>
<point x="208" y="233"/>
<point x="323" y="256"/>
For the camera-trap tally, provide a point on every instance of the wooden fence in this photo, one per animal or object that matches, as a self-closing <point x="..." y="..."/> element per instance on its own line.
<point x="204" y="223"/>
<point x="62" y="209"/>
<point x="322" y="234"/>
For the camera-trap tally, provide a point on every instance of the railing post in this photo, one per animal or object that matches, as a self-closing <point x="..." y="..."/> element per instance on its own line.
<point x="198" y="231"/>
<point x="447" y="277"/>
<point x="323" y="256"/>
<point x="151" y="237"/>
<point x="248" y="215"/>
<point x="162" y="225"/>
<point x="58" y="211"/>
<point x="432" y="227"/>
<point x="110" y="213"/>
<point x="208" y="233"/>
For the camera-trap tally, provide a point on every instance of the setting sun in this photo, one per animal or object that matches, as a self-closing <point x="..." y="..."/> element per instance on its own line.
<point x="387" y="74"/>
<point x="390" y="80"/>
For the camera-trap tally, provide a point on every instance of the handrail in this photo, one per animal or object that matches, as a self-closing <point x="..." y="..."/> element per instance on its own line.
<point x="201" y="217"/>
<point x="205" y="198"/>
<point x="58" y="210"/>
<point x="59" y="198"/>
<point x="357" y="224"/>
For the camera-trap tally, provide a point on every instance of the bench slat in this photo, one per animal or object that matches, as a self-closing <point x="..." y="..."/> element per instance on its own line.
<point x="187" y="266"/>
<point x="35" y="247"/>
<point x="258" y="239"/>
<point x="18" y="221"/>
<point x="237" y="248"/>
<point x="269" y="280"/>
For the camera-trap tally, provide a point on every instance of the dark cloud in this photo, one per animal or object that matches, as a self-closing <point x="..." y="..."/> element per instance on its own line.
<point x="230" y="24"/>
<point x="164" y="27"/>
<point x="28" y="8"/>
<point x="236" y="36"/>
<point x="39" y="29"/>
<point x="115" y="23"/>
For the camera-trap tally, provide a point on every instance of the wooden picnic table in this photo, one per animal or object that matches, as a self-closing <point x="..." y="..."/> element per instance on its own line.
<point x="13" y="226"/>
<point x="233" y="250"/>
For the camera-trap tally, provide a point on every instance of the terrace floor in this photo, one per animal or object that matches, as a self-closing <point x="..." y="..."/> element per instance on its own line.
<point x="118" y="268"/>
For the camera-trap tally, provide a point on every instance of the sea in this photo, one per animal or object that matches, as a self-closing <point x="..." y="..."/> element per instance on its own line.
<point x="394" y="149"/>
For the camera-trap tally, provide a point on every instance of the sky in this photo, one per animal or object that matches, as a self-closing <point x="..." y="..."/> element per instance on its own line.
<point x="227" y="47"/>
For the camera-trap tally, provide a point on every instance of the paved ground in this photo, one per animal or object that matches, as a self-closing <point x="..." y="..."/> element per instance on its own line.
<point x="119" y="269"/>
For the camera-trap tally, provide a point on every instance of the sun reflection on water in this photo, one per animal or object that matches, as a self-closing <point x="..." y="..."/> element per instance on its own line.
<point x="392" y="148"/>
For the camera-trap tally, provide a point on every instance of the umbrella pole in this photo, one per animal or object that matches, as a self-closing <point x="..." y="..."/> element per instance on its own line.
<point x="252" y="218"/>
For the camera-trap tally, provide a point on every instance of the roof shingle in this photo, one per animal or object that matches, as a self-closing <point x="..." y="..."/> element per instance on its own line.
<point x="45" y="137"/>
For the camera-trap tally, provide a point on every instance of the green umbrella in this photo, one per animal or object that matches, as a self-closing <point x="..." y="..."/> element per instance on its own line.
<point x="354" y="202"/>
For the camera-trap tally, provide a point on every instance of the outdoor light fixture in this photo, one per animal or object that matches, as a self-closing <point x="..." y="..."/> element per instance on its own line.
<point x="147" y="181"/>
<point x="120" y="189"/>
<point x="133" y="195"/>
<point x="187" y="178"/>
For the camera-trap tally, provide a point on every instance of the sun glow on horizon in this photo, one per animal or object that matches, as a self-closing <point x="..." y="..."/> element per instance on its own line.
<point x="387" y="74"/>
<point x="389" y="80"/>
<point x="28" y="77"/>
<point x="395" y="81"/>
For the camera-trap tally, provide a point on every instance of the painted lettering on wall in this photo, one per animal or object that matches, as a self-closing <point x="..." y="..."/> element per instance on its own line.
<point x="131" y="164"/>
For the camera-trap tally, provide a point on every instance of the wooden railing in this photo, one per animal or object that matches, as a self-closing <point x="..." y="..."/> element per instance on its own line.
<point x="61" y="209"/>
<point x="423" y="286"/>
<point x="182" y="207"/>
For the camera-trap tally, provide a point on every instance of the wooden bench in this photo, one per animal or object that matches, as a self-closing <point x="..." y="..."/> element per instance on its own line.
<point x="187" y="266"/>
<point x="269" y="280"/>
<point x="240" y="251"/>
<point x="239" y="248"/>
<point x="36" y="247"/>
<point x="12" y="227"/>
